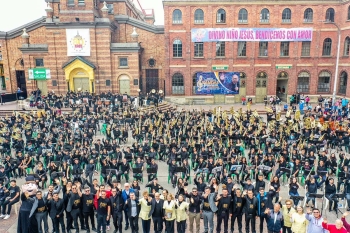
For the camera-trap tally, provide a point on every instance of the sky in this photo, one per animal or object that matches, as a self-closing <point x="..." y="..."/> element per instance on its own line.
<point x="29" y="10"/>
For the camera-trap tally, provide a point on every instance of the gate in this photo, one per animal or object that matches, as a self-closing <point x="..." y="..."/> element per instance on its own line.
<point x="152" y="80"/>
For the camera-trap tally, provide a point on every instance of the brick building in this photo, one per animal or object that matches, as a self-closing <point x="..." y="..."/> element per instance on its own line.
<point x="85" y="45"/>
<point x="266" y="68"/>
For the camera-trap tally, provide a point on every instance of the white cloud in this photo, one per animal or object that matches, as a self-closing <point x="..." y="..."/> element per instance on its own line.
<point x="16" y="13"/>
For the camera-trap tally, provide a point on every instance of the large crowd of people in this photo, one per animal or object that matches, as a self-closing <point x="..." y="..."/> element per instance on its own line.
<point x="238" y="162"/>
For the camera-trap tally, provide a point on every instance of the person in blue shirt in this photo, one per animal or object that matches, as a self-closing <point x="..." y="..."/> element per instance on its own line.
<point x="264" y="202"/>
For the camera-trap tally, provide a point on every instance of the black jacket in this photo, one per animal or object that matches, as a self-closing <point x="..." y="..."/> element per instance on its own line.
<point x="128" y="206"/>
<point x="153" y="205"/>
<point x="56" y="208"/>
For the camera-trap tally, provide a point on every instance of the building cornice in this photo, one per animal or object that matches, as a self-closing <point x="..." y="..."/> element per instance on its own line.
<point x="34" y="48"/>
<point x="100" y="23"/>
<point x="240" y="2"/>
<point x="125" y="47"/>
<point x="124" y="19"/>
<point x="18" y="31"/>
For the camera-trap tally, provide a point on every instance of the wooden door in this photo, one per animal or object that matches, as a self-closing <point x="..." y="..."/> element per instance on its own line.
<point x="81" y="84"/>
<point x="42" y="85"/>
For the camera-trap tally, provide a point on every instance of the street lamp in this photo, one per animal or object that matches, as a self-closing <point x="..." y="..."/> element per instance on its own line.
<point x="337" y="61"/>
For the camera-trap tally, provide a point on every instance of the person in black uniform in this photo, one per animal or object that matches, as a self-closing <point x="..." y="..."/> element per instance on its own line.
<point x="74" y="206"/>
<point x="87" y="200"/>
<point x="330" y="191"/>
<point x="124" y="168"/>
<point x="224" y="203"/>
<point x="157" y="213"/>
<point x="56" y="207"/>
<point x="117" y="207"/>
<point x="103" y="211"/>
<point x="250" y="210"/>
<point x="237" y="210"/>
<point x="154" y="186"/>
<point x="39" y="210"/>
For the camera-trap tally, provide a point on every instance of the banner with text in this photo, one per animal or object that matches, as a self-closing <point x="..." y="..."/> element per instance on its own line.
<point x="217" y="83"/>
<point x="251" y="34"/>
<point x="78" y="42"/>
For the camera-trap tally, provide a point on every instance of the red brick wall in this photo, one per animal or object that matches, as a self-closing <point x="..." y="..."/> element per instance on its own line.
<point x="321" y="31"/>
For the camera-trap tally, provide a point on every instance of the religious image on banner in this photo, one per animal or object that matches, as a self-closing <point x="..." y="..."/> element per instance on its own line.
<point x="78" y="42"/>
<point x="217" y="83"/>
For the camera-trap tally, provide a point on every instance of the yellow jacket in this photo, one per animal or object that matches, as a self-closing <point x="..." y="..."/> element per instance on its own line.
<point x="145" y="209"/>
<point x="181" y="214"/>
<point x="169" y="209"/>
<point x="299" y="224"/>
<point x="286" y="216"/>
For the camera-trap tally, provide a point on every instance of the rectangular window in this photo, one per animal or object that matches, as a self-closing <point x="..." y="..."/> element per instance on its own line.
<point x="54" y="83"/>
<point x="123" y="62"/>
<point x="136" y="82"/>
<point x="284" y="49"/>
<point x="263" y="49"/>
<point x="198" y="49"/>
<point x="305" y="48"/>
<point x="220" y="49"/>
<point x="0" y="56"/>
<point x="110" y="8"/>
<point x="70" y="2"/>
<point x="242" y="49"/>
<point x="108" y="83"/>
<point x="39" y="62"/>
<point x="81" y="2"/>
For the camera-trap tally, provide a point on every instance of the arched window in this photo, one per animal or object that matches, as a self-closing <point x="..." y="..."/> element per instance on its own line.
<point x="177" y="48"/>
<point x="308" y="15"/>
<point x="177" y="16"/>
<point x="199" y="16"/>
<point x="243" y="16"/>
<point x="286" y="16"/>
<point x="343" y="83"/>
<point x="324" y="82"/>
<point x="303" y="82"/>
<point x="349" y="13"/>
<point x="330" y="15"/>
<point x="346" y="46"/>
<point x="327" y="47"/>
<point x="221" y="16"/>
<point x="177" y="84"/>
<point x="264" y="16"/>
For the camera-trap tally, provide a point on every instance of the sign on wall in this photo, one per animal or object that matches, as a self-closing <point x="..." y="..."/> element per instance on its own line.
<point x="39" y="74"/>
<point x="78" y="42"/>
<point x="217" y="83"/>
<point x="251" y="34"/>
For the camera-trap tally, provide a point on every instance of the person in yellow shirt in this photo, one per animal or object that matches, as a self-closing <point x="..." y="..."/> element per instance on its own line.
<point x="181" y="215"/>
<point x="287" y="210"/>
<point x="170" y="213"/>
<point x="145" y="203"/>
<point x="299" y="222"/>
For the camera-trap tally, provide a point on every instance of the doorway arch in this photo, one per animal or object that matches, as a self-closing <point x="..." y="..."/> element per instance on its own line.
<point x="124" y="84"/>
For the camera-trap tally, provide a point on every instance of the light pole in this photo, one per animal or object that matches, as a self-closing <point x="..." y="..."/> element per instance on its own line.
<point x="336" y="63"/>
